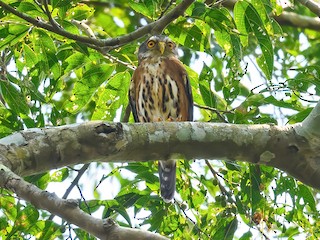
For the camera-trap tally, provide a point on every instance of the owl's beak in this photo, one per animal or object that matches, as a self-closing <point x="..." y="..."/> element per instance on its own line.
<point x="162" y="47"/>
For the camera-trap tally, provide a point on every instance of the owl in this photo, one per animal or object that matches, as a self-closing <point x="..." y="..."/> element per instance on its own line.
<point x="160" y="91"/>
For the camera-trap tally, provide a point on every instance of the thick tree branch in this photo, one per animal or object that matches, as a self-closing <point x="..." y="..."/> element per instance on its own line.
<point x="287" y="18"/>
<point x="312" y="5"/>
<point x="296" y="20"/>
<point x="155" y="27"/>
<point x="69" y="210"/>
<point x="294" y="149"/>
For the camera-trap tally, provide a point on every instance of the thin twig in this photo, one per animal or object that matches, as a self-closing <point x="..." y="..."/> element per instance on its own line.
<point x="191" y="220"/>
<point x="115" y="59"/>
<point x="84" y="200"/>
<point x="231" y="200"/>
<point x="221" y="187"/>
<point x="166" y="9"/>
<point x="90" y="33"/>
<point x="73" y="184"/>
<point x="85" y="27"/>
<point x="218" y="3"/>
<point x="218" y="112"/>
<point x="48" y="13"/>
<point x="303" y="99"/>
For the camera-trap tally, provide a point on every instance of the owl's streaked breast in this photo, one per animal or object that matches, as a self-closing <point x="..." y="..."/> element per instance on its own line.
<point x="158" y="95"/>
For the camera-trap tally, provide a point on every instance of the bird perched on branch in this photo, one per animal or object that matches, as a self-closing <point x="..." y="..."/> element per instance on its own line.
<point x="160" y="91"/>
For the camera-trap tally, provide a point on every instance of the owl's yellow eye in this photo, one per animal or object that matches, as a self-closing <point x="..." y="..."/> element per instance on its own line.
<point x="151" y="44"/>
<point x="170" y="45"/>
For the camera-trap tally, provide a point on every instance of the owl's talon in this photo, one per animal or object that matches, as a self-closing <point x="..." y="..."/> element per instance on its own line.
<point x="157" y="119"/>
<point x="170" y="119"/>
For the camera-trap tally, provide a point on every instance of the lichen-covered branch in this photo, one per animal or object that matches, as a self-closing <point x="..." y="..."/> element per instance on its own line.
<point x="288" y="148"/>
<point x="311" y="125"/>
<point x="69" y="210"/>
<point x="294" y="149"/>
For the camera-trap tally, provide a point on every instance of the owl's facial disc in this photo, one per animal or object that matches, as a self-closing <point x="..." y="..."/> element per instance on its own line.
<point x="157" y="46"/>
<point x="160" y="43"/>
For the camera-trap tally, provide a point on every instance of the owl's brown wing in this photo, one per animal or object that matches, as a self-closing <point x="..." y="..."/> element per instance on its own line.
<point x="132" y="93"/>
<point x="177" y="72"/>
<point x="189" y="97"/>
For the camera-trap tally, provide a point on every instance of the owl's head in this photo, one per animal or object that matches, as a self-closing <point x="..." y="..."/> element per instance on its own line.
<point x="157" y="46"/>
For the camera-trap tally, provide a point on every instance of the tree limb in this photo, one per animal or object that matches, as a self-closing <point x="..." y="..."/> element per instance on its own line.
<point x="287" y="18"/>
<point x="313" y="6"/>
<point x="69" y="210"/>
<point x="310" y="127"/>
<point x="294" y="149"/>
<point x="296" y="20"/>
<point x="155" y="27"/>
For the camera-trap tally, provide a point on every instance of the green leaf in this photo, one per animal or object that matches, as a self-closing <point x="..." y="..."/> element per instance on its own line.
<point x="8" y="121"/>
<point x="137" y="167"/>
<point x="81" y="12"/>
<point x="147" y="8"/>
<point x="46" y="50"/>
<point x="283" y="104"/>
<point x="222" y="22"/>
<point x="31" y="9"/>
<point x="40" y="180"/>
<point x="7" y="204"/>
<point x="27" y="217"/>
<point x="91" y="205"/>
<point x="307" y="196"/>
<point x="190" y="36"/>
<point x="198" y="9"/>
<point x="122" y="211"/>
<point x="225" y="228"/>
<point x="81" y="234"/>
<point x="30" y="56"/>
<point x="85" y="87"/>
<point x="205" y="79"/>
<point x="59" y="175"/>
<point x="156" y="220"/>
<point x="248" y="21"/>
<point x="13" y="97"/>
<point x="75" y="61"/>
<point x="231" y="229"/>
<point x="12" y="34"/>
<point x="43" y="42"/>
<point x="60" y="3"/>
<point x="114" y="96"/>
<point x="246" y="236"/>
<point x="50" y="230"/>
<point x="230" y="43"/>
<point x="300" y="116"/>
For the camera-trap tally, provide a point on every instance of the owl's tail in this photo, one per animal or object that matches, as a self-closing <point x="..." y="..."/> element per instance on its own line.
<point x="167" y="176"/>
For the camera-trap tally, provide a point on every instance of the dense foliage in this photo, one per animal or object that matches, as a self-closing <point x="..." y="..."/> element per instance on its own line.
<point x="255" y="71"/>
